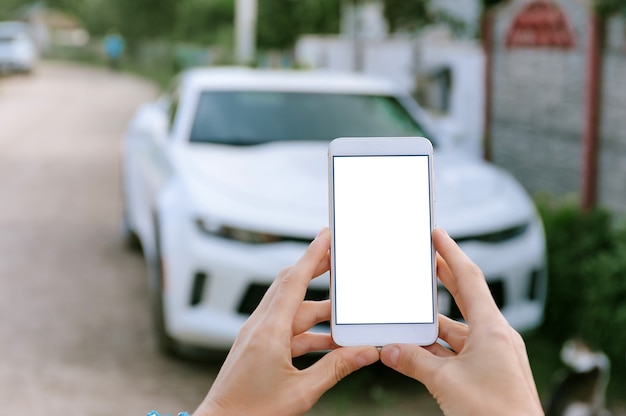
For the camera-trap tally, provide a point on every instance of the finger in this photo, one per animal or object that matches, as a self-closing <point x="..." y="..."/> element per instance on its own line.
<point x="267" y="298"/>
<point x="311" y="342"/>
<point x="336" y="365"/>
<point x="412" y="361"/>
<point x="292" y="286"/>
<point x="295" y="279"/>
<point x="321" y="268"/>
<point x="522" y="356"/>
<point x="449" y="281"/>
<point x="453" y="332"/>
<point x="445" y="274"/>
<point x="439" y="350"/>
<point x="309" y="314"/>
<point x="324" y="265"/>
<point x="472" y="287"/>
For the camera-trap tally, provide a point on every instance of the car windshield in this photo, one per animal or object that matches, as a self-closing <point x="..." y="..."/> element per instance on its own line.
<point x="255" y="117"/>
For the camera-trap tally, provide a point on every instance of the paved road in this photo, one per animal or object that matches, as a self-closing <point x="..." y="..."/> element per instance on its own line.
<point x="75" y="331"/>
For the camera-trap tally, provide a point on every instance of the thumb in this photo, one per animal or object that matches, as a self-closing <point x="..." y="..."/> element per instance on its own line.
<point x="337" y="364"/>
<point x="411" y="360"/>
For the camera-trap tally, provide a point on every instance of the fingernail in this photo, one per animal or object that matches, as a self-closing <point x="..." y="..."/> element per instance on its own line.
<point x="394" y="355"/>
<point x="319" y="234"/>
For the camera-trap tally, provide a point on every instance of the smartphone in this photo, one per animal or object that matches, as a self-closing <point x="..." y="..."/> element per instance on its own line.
<point x="382" y="277"/>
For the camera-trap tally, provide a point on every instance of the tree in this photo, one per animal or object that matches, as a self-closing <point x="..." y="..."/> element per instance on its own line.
<point x="8" y="8"/>
<point x="489" y="3"/>
<point x="610" y="7"/>
<point x="407" y="14"/>
<point x="280" y="22"/>
<point x="414" y="14"/>
<point x="145" y="19"/>
<point x="319" y="16"/>
<point x="203" y="21"/>
<point x="277" y="25"/>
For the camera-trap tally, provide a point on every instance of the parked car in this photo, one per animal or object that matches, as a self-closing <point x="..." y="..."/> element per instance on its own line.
<point x="225" y="183"/>
<point x="18" y="53"/>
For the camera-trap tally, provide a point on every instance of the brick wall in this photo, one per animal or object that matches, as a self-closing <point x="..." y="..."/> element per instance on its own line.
<point x="537" y="115"/>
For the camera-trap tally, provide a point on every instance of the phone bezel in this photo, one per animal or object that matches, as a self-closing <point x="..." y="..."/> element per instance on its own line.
<point x="382" y="334"/>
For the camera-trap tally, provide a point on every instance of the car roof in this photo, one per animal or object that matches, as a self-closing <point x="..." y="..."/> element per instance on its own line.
<point x="242" y="78"/>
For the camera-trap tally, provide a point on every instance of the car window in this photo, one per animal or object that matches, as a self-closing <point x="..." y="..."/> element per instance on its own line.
<point x="255" y="117"/>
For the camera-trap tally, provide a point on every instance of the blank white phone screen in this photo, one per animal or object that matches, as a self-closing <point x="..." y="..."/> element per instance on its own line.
<point x="383" y="251"/>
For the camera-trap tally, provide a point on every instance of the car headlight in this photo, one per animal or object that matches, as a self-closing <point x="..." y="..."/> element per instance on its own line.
<point x="497" y="236"/>
<point x="238" y="234"/>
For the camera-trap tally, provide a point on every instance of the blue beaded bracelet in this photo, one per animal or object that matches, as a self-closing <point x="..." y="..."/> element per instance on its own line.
<point x="155" y="413"/>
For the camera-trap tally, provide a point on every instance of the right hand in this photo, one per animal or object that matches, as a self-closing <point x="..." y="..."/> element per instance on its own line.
<point x="487" y="370"/>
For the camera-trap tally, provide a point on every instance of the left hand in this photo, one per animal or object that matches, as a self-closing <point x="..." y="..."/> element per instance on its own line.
<point x="258" y="377"/>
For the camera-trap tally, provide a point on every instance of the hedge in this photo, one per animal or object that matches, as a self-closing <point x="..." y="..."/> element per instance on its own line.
<point x="586" y="276"/>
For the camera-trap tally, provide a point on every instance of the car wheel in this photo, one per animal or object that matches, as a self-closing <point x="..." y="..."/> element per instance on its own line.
<point x="129" y="236"/>
<point x="165" y="342"/>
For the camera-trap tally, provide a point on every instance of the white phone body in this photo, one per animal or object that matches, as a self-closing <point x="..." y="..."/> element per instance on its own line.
<point x="383" y="286"/>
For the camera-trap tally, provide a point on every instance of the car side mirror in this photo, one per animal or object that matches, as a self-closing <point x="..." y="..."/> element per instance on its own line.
<point x="456" y="138"/>
<point x="151" y="122"/>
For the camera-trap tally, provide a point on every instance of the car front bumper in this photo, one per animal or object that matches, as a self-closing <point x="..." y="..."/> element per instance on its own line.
<point x="16" y="62"/>
<point x="213" y="284"/>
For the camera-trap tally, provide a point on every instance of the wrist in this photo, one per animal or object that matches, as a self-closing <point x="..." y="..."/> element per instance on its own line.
<point x="210" y="408"/>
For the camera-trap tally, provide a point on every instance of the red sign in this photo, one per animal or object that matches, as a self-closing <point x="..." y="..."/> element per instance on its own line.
<point x="541" y="24"/>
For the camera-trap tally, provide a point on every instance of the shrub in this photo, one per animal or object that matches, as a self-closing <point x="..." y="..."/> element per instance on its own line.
<point x="586" y="276"/>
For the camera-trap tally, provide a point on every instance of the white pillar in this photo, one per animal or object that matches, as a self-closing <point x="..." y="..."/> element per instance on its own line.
<point x="245" y="31"/>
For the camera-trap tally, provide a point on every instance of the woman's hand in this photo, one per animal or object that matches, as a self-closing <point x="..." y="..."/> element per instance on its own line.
<point x="258" y="377"/>
<point x="487" y="371"/>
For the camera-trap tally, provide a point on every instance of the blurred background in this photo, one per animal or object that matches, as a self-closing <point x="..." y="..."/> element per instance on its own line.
<point x="536" y="87"/>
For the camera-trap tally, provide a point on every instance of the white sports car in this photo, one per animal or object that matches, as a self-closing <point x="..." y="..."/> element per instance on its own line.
<point x="17" y="50"/>
<point x="225" y="183"/>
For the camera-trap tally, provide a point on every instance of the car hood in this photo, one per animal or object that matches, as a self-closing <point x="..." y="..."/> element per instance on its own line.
<point x="282" y="187"/>
<point x="278" y="187"/>
<point x="475" y="197"/>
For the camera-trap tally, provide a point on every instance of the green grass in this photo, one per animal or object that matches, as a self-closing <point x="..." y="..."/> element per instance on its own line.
<point x="376" y="390"/>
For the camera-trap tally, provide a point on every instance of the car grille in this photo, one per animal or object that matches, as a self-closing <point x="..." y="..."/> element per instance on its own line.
<point x="255" y="292"/>
<point x="536" y="285"/>
<point x="495" y="236"/>
<point x="497" y="286"/>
